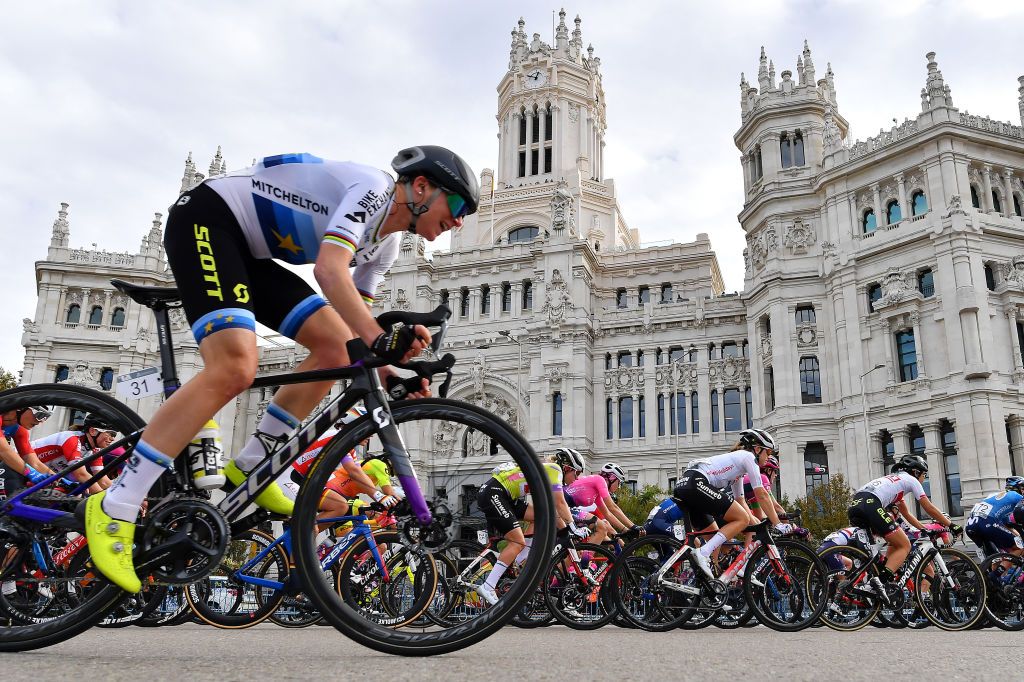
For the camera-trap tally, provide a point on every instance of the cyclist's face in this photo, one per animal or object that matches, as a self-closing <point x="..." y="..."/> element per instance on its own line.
<point x="438" y="218"/>
<point x="569" y="475"/>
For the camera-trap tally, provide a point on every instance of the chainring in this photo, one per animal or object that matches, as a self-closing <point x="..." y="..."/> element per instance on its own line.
<point x="183" y="541"/>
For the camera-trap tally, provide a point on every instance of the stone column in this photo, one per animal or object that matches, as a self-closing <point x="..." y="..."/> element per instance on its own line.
<point x="877" y="199"/>
<point x="887" y="342"/>
<point x="743" y="406"/>
<point x="900" y="442"/>
<point x="1011" y="316"/>
<point x="875" y="465"/>
<point x="748" y="171"/>
<point x="721" y="406"/>
<point x="1008" y="192"/>
<point x="936" y="468"/>
<point x="517" y="298"/>
<point x="474" y="303"/>
<point x="902" y="187"/>
<point x="1016" y="422"/>
<point x="986" y="177"/>
<point x="915" y="319"/>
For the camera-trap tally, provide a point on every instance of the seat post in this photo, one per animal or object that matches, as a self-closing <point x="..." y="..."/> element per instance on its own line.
<point x="168" y="369"/>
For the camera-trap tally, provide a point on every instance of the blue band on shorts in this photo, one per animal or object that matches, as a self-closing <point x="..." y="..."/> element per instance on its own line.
<point x="225" y="318"/>
<point x="294" y="320"/>
<point x="147" y="451"/>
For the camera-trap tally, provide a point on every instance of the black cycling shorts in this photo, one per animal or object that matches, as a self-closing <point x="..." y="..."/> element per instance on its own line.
<point x="11" y="482"/>
<point x="867" y="512"/>
<point x="501" y="511"/>
<point x="222" y="285"/>
<point x="702" y="502"/>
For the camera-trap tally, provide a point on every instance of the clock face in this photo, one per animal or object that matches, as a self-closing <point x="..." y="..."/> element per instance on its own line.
<point x="536" y="78"/>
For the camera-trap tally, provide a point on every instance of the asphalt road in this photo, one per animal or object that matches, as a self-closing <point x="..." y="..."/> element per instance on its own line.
<point x="189" y="653"/>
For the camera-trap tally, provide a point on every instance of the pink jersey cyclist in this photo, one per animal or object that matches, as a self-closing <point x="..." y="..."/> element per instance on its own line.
<point x="587" y="490"/>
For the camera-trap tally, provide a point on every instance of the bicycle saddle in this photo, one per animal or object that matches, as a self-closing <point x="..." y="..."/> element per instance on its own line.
<point x="147" y="295"/>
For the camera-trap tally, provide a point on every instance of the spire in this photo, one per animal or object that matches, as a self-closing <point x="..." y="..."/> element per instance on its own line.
<point x="762" y="73"/>
<point x="215" y="164"/>
<point x="935" y="85"/>
<point x="188" y="176"/>
<point x="61" y="227"/>
<point x="152" y="243"/>
<point x="808" y="65"/>
<point x="771" y="75"/>
<point x="830" y="79"/>
<point x="800" y="71"/>
<point x="561" y="33"/>
<point x="1020" y="98"/>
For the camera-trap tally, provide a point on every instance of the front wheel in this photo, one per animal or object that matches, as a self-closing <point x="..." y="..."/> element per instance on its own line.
<point x="575" y="592"/>
<point x="778" y="581"/>
<point x="1005" y="603"/>
<point x="951" y="590"/>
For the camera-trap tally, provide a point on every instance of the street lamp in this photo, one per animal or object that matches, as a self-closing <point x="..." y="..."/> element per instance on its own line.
<point x="519" y="372"/>
<point x="864" y="405"/>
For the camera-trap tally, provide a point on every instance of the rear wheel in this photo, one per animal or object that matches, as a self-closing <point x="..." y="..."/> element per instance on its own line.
<point x="845" y="609"/>
<point x="576" y="595"/>
<point x="654" y="603"/>
<point x="778" y="581"/>
<point x="1005" y="603"/>
<point x="955" y="599"/>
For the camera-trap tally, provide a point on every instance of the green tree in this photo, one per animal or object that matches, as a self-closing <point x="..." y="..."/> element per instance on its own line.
<point x="639" y="504"/>
<point x="824" y="508"/>
<point x="7" y="380"/>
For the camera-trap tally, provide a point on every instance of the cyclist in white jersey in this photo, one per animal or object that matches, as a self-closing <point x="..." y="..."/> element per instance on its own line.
<point x="701" y="492"/>
<point x="222" y="240"/>
<point x="871" y="503"/>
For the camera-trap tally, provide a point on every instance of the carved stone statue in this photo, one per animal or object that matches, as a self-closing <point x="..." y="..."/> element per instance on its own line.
<point x="1013" y="272"/>
<point x="557" y="301"/>
<point x="895" y="288"/>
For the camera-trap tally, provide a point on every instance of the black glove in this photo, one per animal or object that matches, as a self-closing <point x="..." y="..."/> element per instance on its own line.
<point x="392" y="345"/>
<point x="955" y="528"/>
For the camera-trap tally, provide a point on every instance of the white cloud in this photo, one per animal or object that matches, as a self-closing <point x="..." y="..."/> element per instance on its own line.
<point x="103" y="100"/>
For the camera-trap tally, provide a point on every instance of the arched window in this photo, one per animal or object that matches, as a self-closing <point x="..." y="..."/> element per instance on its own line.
<point x="535" y="134"/>
<point x="785" y="151"/>
<point x="444" y="297"/>
<point x="874" y="293"/>
<point x="74" y="314"/>
<point x="464" y="302"/>
<point x="523" y="234"/>
<point x="107" y="378"/>
<point x="61" y="374"/>
<point x="117" y="319"/>
<point x="868" y="222"/>
<point x="694" y="413"/>
<point x="522" y="125"/>
<point x="893" y="214"/>
<point x="975" y="201"/>
<point x="485" y="300"/>
<point x="918" y="203"/>
<point x="96" y="315"/>
<point x="547" y="122"/>
<point x="527" y="294"/>
<point x="990" y="277"/>
<point x="798" y="149"/>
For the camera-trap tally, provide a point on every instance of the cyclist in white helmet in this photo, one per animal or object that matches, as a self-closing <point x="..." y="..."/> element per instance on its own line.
<point x="597" y="490"/>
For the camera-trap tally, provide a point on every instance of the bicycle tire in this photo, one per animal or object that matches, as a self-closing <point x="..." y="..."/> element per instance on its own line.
<point x="449" y="607"/>
<point x="653" y="608"/>
<point x="761" y="569"/>
<point x="859" y="611"/>
<point x="1004" y="604"/>
<point x="105" y="599"/>
<point x="167" y="611"/>
<point x="217" y="607"/>
<point x="567" y="594"/>
<point x="489" y="621"/>
<point x="938" y="598"/>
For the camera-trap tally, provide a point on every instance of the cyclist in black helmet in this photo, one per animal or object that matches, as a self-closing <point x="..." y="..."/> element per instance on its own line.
<point x="223" y="240"/>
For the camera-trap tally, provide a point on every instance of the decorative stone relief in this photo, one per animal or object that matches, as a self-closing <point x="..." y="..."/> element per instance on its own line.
<point x="563" y="212"/>
<point x="29" y="326"/>
<point x="1013" y="272"/>
<point x="729" y="371"/>
<point x="411" y="243"/>
<point x="81" y="375"/>
<point x="179" y="322"/>
<point x="766" y="348"/>
<point x="895" y="288"/>
<point x="771" y="238"/>
<point x="676" y="375"/>
<point x="828" y="249"/>
<point x="401" y="301"/>
<point x="75" y="297"/>
<point x="557" y="299"/>
<point x="807" y="336"/>
<point x="623" y="379"/>
<point x="699" y="320"/>
<point x="799" y="236"/>
<point x="955" y="207"/>
<point x="574" y="112"/>
<point x="554" y="377"/>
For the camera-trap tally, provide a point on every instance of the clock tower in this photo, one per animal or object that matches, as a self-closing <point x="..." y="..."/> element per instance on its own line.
<point x="550" y="170"/>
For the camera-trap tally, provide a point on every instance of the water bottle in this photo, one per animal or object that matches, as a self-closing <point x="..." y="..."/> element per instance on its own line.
<point x="204" y="458"/>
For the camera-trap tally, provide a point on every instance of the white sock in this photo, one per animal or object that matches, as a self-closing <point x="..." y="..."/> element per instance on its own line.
<point x="712" y="544"/>
<point x="496" y="573"/>
<point x="143" y="468"/>
<point x="525" y="552"/>
<point x="9" y="587"/>
<point x="276" y="421"/>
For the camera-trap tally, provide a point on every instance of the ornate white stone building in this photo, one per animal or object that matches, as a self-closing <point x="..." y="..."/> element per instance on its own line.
<point x="898" y="260"/>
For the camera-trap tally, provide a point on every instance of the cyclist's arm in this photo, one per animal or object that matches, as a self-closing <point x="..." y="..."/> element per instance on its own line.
<point x="332" y="273"/>
<point x="613" y="515"/>
<point x="562" y="511"/>
<point x="10" y="456"/>
<point x="909" y="516"/>
<point x="359" y="477"/>
<point x="767" y="503"/>
<point x="32" y="459"/>
<point x="932" y="511"/>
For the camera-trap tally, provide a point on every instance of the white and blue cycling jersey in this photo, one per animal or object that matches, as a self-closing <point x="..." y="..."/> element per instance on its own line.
<point x="289" y="205"/>
<point x="987" y="522"/>
<point x="663" y="517"/>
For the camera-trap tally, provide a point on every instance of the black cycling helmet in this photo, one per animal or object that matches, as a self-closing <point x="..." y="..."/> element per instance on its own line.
<point x="443" y="168"/>
<point x="94" y="421"/>
<point x="911" y="463"/>
<point x="1015" y="483"/>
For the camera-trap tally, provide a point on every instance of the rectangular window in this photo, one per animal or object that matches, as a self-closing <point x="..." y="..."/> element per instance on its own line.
<point x="620" y="298"/>
<point x="522" y="129"/>
<point x="626" y="417"/>
<point x="750" y="407"/>
<point x="1020" y="339"/>
<point x="666" y="293"/>
<point x="805" y="314"/>
<point x="907" y="353"/>
<point x="798" y="150"/>
<point x="786" y="151"/>
<point x="769" y="385"/>
<point x="625" y="358"/>
<point x="888" y="451"/>
<point x="444" y="297"/>
<point x="547" y="160"/>
<point x="714" y="412"/>
<point x="815" y="465"/>
<point x="733" y="418"/>
<point x="469" y="506"/>
<point x="534" y="162"/>
<point x="556" y="414"/>
<point x="680" y="416"/>
<point x="506" y="297"/>
<point x="522" y="165"/>
<point x="527" y="295"/>
<point x="810" y="381"/>
<point x="676" y="354"/>
<point x="694" y="413"/>
<point x="951" y="464"/>
<point x="485" y="300"/>
<point x="641" y="415"/>
<point x="535" y="133"/>
<point x="926" y="283"/>
<point x="609" y="419"/>
<point x="643" y="295"/>
<point x="730" y="350"/>
<point x="547" y="124"/>
<point x="661" y="414"/>
<point x="464" y="303"/>
<point x="640" y="358"/>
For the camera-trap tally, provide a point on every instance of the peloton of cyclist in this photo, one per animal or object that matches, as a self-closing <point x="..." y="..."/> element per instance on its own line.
<point x="870" y="511"/>
<point x="769" y="470"/>
<point x="595" y="491"/>
<point x="222" y="239"/>
<point x="701" y="493"/>
<point x="987" y="523"/>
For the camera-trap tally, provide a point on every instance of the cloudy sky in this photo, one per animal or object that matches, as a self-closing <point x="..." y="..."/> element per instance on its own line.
<point x="103" y="100"/>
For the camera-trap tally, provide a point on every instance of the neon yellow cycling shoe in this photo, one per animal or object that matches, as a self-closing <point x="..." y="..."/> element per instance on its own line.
<point x="273" y="499"/>
<point x="110" y="544"/>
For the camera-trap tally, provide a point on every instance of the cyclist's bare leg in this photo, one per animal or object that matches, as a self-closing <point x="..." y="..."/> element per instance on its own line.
<point x="331" y="504"/>
<point x="899" y="549"/>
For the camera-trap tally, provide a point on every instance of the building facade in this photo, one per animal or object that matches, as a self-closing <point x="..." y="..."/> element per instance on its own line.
<point x="878" y="316"/>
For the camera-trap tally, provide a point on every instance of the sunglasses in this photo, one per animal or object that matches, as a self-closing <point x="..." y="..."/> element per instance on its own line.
<point x="456" y="204"/>
<point x="39" y="414"/>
